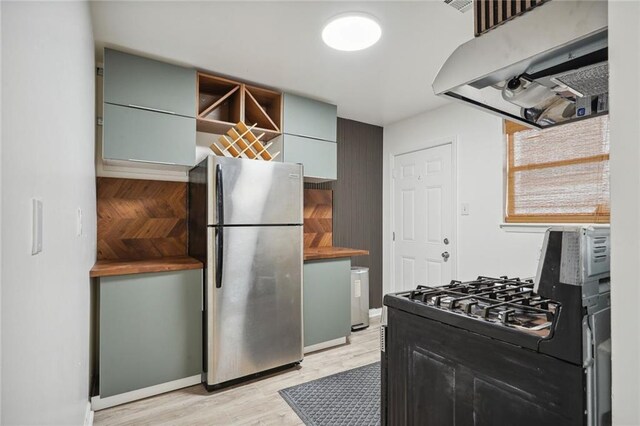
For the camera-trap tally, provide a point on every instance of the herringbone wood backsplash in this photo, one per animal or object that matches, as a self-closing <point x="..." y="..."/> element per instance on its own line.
<point x="141" y="219"/>
<point x="318" y="218"/>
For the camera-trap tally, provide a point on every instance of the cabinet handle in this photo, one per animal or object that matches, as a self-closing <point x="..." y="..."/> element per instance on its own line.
<point x="152" y="162"/>
<point x="152" y="109"/>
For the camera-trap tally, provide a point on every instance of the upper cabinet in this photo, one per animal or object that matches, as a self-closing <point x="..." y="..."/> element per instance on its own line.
<point x="153" y="109"/>
<point x="149" y="110"/>
<point x="132" y="134"/>
<point x="143" y="83"/>
<point x="310" y="135"/>
<point x="222" y="103"/>
<point x="310" y="118"/>
<point x="318" y="157"/>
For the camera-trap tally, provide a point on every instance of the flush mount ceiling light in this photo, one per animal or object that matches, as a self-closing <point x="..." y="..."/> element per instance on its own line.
<point x="351" y="31"/>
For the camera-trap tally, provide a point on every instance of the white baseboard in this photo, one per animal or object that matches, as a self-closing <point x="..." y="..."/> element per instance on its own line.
<point x="325" y="345"/>
<point x="88" y="415"/>
<point x="376" y="312"/>
<point x="98" y="403"/>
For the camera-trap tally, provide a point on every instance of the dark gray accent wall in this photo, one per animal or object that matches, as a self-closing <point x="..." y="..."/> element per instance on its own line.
<point x="357" y="198"/>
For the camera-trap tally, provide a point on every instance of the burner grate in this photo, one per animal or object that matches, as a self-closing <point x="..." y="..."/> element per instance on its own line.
<point x="509" y="302"/>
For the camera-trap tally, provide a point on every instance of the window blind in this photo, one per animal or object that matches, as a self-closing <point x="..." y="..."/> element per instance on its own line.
<point x="560" y="174"/>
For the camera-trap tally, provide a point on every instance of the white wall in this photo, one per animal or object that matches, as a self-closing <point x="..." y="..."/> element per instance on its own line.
<point x="47" y="152"/>
<point x="624" y="63"/>
<point x="483" y="247"/>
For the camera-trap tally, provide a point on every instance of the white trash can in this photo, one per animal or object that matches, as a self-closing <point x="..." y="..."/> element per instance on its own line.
<point x="359" y="298"/>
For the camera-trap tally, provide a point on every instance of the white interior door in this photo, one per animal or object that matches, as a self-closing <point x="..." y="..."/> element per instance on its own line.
<point x="423" y="218"/>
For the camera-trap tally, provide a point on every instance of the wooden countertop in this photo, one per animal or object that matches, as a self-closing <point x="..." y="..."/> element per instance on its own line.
<point x="107" y="268"/>
<point x="318" y="253"/>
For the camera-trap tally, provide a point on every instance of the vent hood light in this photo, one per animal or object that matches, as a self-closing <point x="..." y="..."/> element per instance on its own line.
<point x="351" y="31"/>
<point x="544" y="68"/>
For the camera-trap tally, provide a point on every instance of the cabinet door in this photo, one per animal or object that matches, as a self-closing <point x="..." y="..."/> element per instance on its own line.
<point x="139" y="135"/>
<point x="310" y="118"/>
<point x="131" y="80"/>
<point x="150" y="330"/>
<point x="327" y="300"/>
<point x="320" y="158"/>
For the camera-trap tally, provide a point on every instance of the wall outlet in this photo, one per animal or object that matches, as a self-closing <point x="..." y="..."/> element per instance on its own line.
<point x="464" y="209"/>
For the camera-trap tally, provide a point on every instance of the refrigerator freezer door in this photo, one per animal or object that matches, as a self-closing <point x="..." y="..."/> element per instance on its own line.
<point x="254" y="192"/>
<point x="254" y="319"/>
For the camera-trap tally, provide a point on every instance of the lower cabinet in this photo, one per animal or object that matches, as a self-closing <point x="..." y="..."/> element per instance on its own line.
<point x="327" y="301"/>
<point x="150" y="330"/>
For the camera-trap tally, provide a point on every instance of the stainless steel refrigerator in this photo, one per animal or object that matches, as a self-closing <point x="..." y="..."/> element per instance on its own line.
<point x="245" y="225"/>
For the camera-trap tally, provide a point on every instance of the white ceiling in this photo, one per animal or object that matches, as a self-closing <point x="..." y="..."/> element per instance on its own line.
<point x="278" y="44"/>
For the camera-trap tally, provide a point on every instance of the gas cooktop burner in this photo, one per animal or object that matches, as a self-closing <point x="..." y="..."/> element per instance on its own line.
<point x="509" y="302"/>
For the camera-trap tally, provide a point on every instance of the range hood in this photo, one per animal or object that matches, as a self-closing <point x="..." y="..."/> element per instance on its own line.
<point x="544" y="68"/>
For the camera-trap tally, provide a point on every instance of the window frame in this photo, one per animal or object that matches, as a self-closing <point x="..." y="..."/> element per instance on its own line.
<point x="510" y="217"/>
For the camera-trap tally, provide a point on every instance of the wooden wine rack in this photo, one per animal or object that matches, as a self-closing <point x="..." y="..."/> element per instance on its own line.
<point x="241" y="142"/>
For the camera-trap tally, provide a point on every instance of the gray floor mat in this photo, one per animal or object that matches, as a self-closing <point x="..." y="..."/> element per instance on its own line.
<point x="348" y="398"/>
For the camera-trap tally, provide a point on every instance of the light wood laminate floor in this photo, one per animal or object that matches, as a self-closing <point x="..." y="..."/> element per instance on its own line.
<point x="253" y="403"/>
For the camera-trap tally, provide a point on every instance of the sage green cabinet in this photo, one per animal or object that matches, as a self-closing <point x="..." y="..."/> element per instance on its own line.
<point x="138" y="135"/>
<point x="320" y="158"/>
<point x="149" y="110"/>
<point x="309" y="118"/>
<point x="150" y="330"/>
<point x="309" y="137"/>
<point x="327" y="300"/>
<point x="134" y="81"/>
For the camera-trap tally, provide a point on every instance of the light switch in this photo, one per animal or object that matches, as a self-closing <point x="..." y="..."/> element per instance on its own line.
<point x="79" y="222"/>
<point x="36" y="227"/>
<point x="464" y="209"/>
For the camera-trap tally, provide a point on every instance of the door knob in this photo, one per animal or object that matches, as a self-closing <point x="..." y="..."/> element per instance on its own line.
<point x="445" y="256"/>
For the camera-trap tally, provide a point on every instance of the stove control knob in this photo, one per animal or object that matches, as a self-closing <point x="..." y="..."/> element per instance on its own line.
<point x="445" y="256"/>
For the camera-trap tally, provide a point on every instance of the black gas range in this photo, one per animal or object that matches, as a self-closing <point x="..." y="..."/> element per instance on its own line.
<point x="505" y="351"/>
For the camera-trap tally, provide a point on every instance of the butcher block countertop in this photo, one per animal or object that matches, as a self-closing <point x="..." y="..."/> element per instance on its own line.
<point x="107" y="268"/>
<point x="318" y="253"/>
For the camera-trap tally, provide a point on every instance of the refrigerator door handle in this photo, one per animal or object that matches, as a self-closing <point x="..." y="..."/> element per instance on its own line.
<point x="220" y="230"/>
<point x="219" y="245"/>
<point x="219" y="195"/>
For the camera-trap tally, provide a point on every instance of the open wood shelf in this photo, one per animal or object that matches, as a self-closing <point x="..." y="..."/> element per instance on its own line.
<point x="219" y="100"/>
<point x="221" y="127"/>
<point x="263" y="107"/>
<point x="222" y="103"/>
